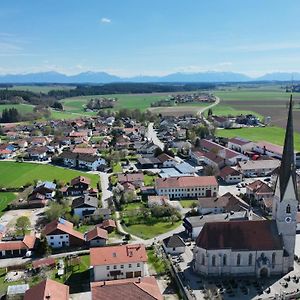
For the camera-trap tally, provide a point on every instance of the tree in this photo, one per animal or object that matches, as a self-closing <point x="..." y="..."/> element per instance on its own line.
<point x="210" y="112"/>
<point x="22" y="224"/>
<point x="55" y="211"/>
<point x="43" y="249"/>
<point x="57" y="105"/>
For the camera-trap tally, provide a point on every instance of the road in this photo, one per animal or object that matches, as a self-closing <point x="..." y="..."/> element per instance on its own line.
<point x="106" y="193"/>
<point x="203" y="109"/>
<point x="152" y="136"/>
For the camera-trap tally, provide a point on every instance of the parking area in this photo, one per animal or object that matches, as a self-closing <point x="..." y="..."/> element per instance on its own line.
<point x="200" y="287"/>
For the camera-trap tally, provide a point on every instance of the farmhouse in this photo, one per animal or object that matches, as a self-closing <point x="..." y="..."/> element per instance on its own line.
<point x="78" y="186"/>
<point x="187" y="186"/>
<point x="118" y="262"/>
<point x="230" y="175"/>
<point x="240" y="145"/>
<point x="174" y="244"/>
<point x="96" y="237"/>
<point x="136" y="179"/>
<point x="60" y="233"/>
<point x="84" y="205"/>
<point x="259" y="190"/>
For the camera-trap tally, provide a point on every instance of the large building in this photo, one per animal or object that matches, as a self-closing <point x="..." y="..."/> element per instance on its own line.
<point x="187" y="187"/>
<point x="260" y="248"/>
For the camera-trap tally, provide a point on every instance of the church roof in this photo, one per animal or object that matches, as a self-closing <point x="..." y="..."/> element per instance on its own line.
<point x="288" y="166"/>
<point x="240" y="235"/>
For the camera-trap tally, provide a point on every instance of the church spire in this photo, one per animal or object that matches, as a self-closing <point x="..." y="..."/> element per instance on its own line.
<point x="288" y="168"/>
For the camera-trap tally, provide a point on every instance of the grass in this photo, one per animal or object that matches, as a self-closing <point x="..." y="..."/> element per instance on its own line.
<point x="22" y="108"/>
<point x="117" y="168"/>
<point x="149" y="179"/>
<point x="5" y="199"/>
<point x="226" y="110"/>
<point x="270" y="134"/>
<point x="19" y="174"/>
<point x="145" y="231"/>
<point x="187" y="203"/>
<point x="132" y="206"/>
<point x="84" y="228"/>
<point x="156" y="262"/>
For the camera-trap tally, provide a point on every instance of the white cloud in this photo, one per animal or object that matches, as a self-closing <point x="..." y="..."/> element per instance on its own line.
<point x="105" y="20"/>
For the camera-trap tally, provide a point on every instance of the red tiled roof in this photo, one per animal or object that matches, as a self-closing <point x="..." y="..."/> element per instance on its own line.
<point x="185" y="181"/>
<point x="271" y="147"/>
<point x="67" y="227"/>
<point x="239" y="141"/>
<point x="96" y="232"/>
<point x="27" y="243"/>
<point x="48" y="288"/>
<point x="130" y="177"/>
<point x="118" y="254"/>
<point x="145" y="288"/>
<point x="259" y="187"/>
<point x="240" y="235"/>
<point x="107" y="223"/>
<point x="81" y="179"/>
<point x="229" y="171"/>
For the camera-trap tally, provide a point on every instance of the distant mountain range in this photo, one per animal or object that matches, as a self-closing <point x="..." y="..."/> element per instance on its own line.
<point x="102" y="77"/>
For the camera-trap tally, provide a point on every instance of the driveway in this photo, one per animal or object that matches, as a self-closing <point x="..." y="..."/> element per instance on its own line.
<point x="106" y="193"/>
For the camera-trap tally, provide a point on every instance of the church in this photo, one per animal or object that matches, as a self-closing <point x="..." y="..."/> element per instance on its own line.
<point x="255" y="248"/>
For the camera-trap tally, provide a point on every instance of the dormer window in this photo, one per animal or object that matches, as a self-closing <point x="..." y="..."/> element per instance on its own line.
<point x="288" y="209"/>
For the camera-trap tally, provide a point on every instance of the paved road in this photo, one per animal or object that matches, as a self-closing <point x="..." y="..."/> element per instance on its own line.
<point x="203" y="109"/>
<point x="152" y="135"/>
<point x="106" y="193"/>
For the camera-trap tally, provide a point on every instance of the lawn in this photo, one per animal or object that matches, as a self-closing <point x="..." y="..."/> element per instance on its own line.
<point x="226" y="110"/>
<point x="187" y="203"/>
<point x="270" y="134"/>
<point x="5" y="199"/>
<point x="156" y="262"/>
<point x="145" y="231"/>
<point x="19" y="174"/>
<point x="117" y="168"/>
<point x="149" y="179"/>
<point x="84" y="228"/>
<point x="133" y="206"/>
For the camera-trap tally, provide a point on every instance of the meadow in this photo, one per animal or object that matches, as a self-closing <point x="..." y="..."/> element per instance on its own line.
<point x="22" y="108"/>
<point x="18" y="174"/>
<point x="272" y="134"/>
<point x="5" y="199"/>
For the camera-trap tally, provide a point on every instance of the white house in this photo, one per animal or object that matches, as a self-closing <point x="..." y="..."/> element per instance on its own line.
<point x="118" y="262"/>
<point x="174" y="245"/>
<point x="230" y="175"/>
<point x="240" y="145"/>
<point x="253" y="168"/>
<point x="84" y="205"/>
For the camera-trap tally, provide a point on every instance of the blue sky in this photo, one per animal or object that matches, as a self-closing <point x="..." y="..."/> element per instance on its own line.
<point x="132" y="37"/>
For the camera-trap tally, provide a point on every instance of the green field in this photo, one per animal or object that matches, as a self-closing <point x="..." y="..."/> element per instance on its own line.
<point x="22" y="108"/>
<point x="19" y="174"/>
<point x="270" y="134"/>
<point x="188" y="203"/>
<point x="145" y="231"/>
<point x="5" y="199"/>
<point x="40" y="88"/>
<point x="226" y="110"/>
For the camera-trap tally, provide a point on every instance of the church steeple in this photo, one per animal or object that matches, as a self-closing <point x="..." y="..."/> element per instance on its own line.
<point x="288" y="167"/>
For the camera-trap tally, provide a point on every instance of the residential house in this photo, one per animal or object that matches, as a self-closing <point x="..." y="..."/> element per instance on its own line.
<point x="149" y="163"/>
<point x="37" y="152"/>
<point x="158" y="200"/>
<point x="222" y="204"/>
<point x="90" y="162"/>
<point x="78" y="186"/>
<point x="84" y="205"/>
<point x="48" y="289"/>
<point x="174" y="245"/>
<point x="148" y="148"/>
<point x="268" y="149"/>
<point x="96" y="237"/>
<point x="167" y="161"/>
<point x="136" y="179"/>
<point x="46" y="188"/>
<point x="118" y="262"/>
<point x="230" y="175"/>
<point x="187" y="186"/>
<point x="256" y="168"/>
<point x="108" y="224"/>
<point x="222" y="122"/>
<point x="197" y="157"/>
<point x="60" y="233"/>
<point x="240" y="145"/>
<point x="145" y="288"/>
<point x="259" y="190"/>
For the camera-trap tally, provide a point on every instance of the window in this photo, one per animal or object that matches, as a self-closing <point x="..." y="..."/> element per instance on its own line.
<point x="138" y="265"/>
<point x="250" y="260"/>
<point x="224" y="260"/>
<point x="238" y="259"/>
<point x="115" y="267"/>
<point x="288" y="209"/>
<point x="61" y="237"/>
<point x="51" y="244"/>
<point x="107" y="267"/>
<point x="273" y="259"/>
<point x="213" y="260"/>
<point x="51" y="237"/>
<point x="122" y="266"/>
<point x="129" y="265"/>
<point x="203" y="260"/>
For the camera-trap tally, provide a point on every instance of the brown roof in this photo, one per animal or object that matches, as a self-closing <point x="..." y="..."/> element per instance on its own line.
<point x="239" y="141"/>
<point x="164" y="157"/>
<point x="240" y="235"/>
<point x="145" y="288"/>
<point x="63" y="226"/>
<point x="185" y="181"/>
<point x="107" y="223"/>
<point x="96" y="232"/>
<point x="48" y="288"/>
<point x="259" y="187"/>
<point x="130" y="177"/>
<point x="118" y="254"/>
<point x="228" y="171"/>
<point x="28" y="242"/>
<point x="43" y="262"/>
<point x="81" y="179"/>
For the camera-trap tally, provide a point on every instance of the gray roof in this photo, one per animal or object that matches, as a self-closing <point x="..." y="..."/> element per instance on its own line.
<point x="174" y="241"/>
<point x="185" y="168"/>
<point x="85" y="200"/>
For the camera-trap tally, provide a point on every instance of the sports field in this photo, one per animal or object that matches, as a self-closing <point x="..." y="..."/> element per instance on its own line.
<point x="272" y="134"/>
<point x="14" y="174"/>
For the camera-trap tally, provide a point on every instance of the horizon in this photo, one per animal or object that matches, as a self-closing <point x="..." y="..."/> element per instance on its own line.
<point x="149" y="39"/>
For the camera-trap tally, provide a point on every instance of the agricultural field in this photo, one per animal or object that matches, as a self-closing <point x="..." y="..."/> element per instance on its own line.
<point x="269" y="100"/>
<point x="5" y="199"/>
<point x="272" y="134"/>
<point x="19" y="174"/>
